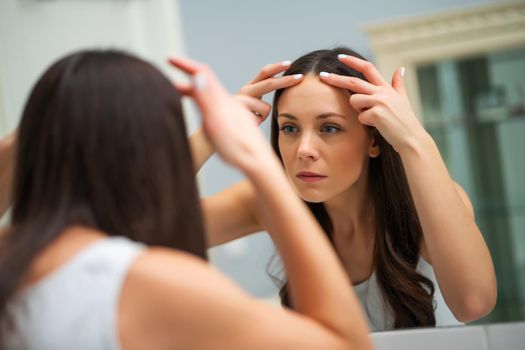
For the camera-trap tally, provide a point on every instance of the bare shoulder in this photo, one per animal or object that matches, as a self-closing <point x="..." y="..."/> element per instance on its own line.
<point x="166" y="268"/>
<point x="166" y="294"/>
<point x="172" y="300"/>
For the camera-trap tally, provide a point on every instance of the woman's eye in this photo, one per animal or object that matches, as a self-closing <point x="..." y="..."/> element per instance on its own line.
<point x="330" y="129"/>
<point x="288" y="129"/>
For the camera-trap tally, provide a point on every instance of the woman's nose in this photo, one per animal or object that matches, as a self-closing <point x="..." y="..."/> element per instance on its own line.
<point x="307" y="148"/>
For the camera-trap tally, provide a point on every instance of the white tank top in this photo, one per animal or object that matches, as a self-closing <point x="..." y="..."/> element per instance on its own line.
<point x="380" y="317"/>
<point x="76" y="306"/>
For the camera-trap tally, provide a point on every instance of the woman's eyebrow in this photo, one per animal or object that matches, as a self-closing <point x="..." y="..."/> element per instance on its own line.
<point x="286" y="115"/>
<point x="330" y="114"/>
<point x="320" y="116"/>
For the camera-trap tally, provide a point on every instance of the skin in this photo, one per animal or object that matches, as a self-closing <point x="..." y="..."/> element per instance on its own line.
<point x="7" y="150"/>
<point x="452" y="243"/>
<point x="325" y="137"/>
<point x="166" y="301"/>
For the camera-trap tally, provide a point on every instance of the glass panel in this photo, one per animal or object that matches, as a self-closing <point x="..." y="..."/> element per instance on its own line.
<point x="475" y="110"/>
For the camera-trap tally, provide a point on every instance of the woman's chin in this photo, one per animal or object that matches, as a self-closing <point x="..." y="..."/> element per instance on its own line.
<point x="312" y="196"/>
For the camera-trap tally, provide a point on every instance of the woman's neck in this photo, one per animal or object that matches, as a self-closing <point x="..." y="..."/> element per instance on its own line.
<point x="352" y="212"/>
<point x="353" y="222"/>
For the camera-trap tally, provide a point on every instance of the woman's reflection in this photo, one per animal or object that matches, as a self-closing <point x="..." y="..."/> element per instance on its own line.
<point x="374" y="179"/>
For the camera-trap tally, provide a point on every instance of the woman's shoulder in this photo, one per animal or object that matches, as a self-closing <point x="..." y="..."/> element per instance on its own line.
<point x="159" y="270"/>
<point x="167" y="293"/>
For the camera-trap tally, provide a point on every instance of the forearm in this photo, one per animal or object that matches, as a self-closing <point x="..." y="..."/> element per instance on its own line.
<point x="231" y="214"/>
<point x="457" y="250"/>
<point x="201" y="149"/>
<point x="319" y="286"/>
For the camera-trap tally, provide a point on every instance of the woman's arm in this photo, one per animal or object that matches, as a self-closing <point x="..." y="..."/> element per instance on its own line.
<point x="201" y="149"/>
<point x="7" y="154"/>
<point x="452" y="240"/>
<point x="328" y="313"/>
<point x="232" y="213"/>
<point x="454" y="243"/>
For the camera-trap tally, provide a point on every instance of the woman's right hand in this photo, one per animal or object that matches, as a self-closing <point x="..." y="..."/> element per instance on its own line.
<point x="227" y="123"/>
<point x="265" y="82"/>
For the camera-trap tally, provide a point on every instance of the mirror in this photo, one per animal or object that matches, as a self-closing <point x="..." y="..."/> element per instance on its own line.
<point x="442" y="49"/>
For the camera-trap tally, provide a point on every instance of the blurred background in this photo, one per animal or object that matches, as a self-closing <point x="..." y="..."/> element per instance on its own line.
<point x="465" y="73"/>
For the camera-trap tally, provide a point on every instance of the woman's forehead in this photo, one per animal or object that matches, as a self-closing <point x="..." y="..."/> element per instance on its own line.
<point x="312" y="96"/>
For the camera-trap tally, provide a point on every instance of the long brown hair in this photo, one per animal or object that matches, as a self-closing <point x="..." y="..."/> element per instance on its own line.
<point x="102" y="143"/>
<point x="398" y="231"/>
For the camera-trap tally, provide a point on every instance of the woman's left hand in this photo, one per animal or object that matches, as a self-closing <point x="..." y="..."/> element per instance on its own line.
<point x="380" y="104"/>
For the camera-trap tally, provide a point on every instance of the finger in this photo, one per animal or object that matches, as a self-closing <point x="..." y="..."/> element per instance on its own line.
<point x="356" y="85"/>
<point x="398" y="82"/>
<point x="184" y="89"/>
<point x="366" y="68"/>
<point x="187" y="65"/>
<point x="367" y="117"/>
<point x="205" y="88"/>
<point x="263" y="87"/>
<point x="258" y="107"/>
<point x="200" y="73"/>
<point x="361" y="102"/>
<point x="270" y="70"/>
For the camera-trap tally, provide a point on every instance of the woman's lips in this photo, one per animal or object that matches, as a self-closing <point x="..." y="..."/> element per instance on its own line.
<point x="310" y="177"/>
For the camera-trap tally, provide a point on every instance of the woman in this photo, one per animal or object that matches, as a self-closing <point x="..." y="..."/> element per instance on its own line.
<point x="374" y="179"/>
<point x="106" y="248"/>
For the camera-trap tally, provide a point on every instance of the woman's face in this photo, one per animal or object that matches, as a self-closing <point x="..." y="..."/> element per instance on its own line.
<point x="325" y="150"/>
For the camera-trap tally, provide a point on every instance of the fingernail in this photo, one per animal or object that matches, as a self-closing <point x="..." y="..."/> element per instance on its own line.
<point x="324" y="74"/>
<point x="402" y="72"/>
<point x="341" y="56"/>
<point x="199" y="82"/>
<point x="297" y="76"/>
<point x="286" y="63"/>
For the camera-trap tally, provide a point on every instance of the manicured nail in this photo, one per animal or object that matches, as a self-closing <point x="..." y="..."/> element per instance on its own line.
<point x="199" y="81"/>
<point x="324" y="74"/>
<point x="286" y="63"/>
<point x="341" y="56"/>
<point x="297" y="76"/>
<point x="402" y="72"/>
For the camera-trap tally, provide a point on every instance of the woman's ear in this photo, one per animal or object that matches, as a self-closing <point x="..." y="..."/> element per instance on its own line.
<point x="374" y="150"/>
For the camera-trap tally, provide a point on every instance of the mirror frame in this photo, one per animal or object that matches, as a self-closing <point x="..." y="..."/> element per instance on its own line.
<point x="447" y="35"/>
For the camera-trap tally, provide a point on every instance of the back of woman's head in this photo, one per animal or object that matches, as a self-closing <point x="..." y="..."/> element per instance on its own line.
<point x="102" y="144"/>
<point x="398" y="231"/>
